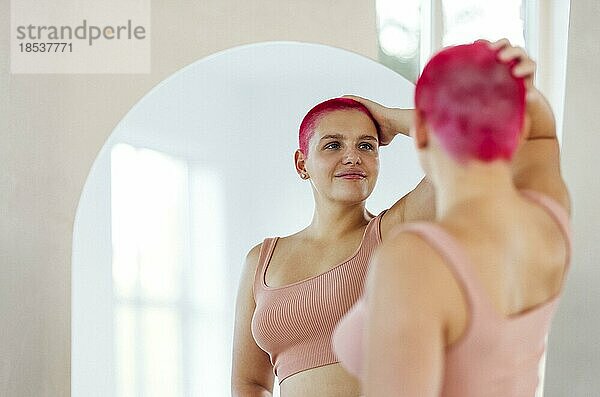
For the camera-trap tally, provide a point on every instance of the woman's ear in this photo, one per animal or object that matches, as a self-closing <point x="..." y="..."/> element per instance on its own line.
<point x="300" y="163"/>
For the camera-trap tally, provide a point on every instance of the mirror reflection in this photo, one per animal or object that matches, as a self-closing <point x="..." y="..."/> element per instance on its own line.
<point x="199" y="171"/>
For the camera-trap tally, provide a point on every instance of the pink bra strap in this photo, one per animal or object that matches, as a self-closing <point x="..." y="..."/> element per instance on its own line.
<point x="556" y="212"/>
<point x="266" y="251"/>
<point x="459" y="264"/>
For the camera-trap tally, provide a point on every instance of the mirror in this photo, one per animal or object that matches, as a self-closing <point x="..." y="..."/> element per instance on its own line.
<point x="198" y="172"/>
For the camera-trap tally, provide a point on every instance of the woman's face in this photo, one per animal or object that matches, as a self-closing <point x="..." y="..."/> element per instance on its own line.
<point x="343" y="156"/>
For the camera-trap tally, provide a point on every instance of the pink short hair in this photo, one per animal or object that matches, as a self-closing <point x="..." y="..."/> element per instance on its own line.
<point x="307" y="127"/>
<point x="472" y="101"/>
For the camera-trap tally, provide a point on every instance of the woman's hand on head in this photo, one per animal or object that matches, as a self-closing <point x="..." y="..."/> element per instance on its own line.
<point x="384" y="117"/>
<point x="524" y="67"/>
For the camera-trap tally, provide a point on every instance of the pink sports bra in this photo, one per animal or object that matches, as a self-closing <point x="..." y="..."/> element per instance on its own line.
<point x="294" y="323"/>
<point x="497" y="355"/>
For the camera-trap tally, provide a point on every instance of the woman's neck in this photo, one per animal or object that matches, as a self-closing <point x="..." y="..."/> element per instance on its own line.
<point x="334" y="220"/>
<point x="472" y="185"/>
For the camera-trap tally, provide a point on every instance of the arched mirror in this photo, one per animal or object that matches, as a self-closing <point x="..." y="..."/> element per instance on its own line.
<point x="198" y="172"/>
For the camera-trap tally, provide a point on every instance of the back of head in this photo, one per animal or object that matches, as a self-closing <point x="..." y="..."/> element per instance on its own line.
<point x="309" y="122"/>
<point x="472" y="102"/>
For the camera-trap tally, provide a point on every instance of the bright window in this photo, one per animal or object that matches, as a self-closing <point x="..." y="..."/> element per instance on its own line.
<point x="399" y="35"/>
<point x="168" y="277"/>
<point x="469" y="20"/>
<point x="411" y="30"/>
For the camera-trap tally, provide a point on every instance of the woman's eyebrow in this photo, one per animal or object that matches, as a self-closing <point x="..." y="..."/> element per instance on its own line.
<point x="369" y="138"/>
<point x="332" y="136"/>
<point x="340" y="136"/>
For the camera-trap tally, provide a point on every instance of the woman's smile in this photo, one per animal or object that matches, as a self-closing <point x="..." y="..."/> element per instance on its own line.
<point x="351" y="174"/>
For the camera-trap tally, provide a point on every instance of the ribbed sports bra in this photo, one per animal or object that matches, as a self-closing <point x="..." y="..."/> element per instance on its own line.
<point x="294" y="323"/>
<point x="497" y="355"/>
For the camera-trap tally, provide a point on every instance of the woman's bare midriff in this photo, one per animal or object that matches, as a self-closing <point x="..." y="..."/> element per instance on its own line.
<point x="327" y="381"/>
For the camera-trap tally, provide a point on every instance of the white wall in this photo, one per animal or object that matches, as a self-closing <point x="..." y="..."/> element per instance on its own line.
<point x="574" y="345"/>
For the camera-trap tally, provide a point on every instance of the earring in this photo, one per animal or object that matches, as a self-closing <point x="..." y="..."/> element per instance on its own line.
<point x="303" y="175"/>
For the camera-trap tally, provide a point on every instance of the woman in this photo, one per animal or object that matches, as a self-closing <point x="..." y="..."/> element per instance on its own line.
<point x="294" y="289"/>
<point x="461" y="306"/>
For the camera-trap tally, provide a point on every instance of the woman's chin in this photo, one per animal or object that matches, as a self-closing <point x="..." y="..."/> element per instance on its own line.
<point x="352" y="196"/>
